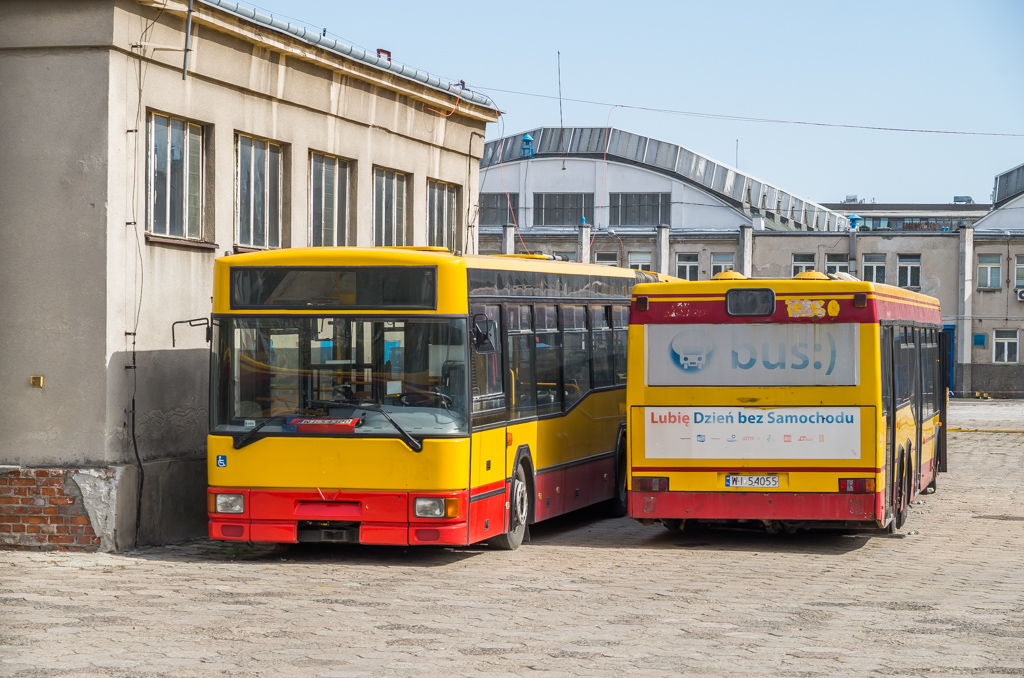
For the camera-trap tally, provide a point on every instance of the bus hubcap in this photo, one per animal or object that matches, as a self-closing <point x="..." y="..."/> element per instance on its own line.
<point x="519" y="497"/>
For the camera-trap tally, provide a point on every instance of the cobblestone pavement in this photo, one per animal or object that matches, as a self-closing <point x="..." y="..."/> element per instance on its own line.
<point x="586" y="596"/>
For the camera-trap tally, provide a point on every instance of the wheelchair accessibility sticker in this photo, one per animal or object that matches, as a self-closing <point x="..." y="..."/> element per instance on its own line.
<point x="222" y="460"/>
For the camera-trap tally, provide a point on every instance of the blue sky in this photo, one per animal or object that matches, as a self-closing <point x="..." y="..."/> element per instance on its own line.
<point x="923" y="65"/>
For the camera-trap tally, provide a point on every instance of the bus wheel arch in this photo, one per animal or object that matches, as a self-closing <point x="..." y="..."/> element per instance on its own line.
<point x="521" y="489"/>
<point x="618" y="505"/>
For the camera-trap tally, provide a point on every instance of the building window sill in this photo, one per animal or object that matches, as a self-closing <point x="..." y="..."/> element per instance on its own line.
<point x="179" y="242"/>
<point x="243" y="249"/>
<point x="988" y="289"/>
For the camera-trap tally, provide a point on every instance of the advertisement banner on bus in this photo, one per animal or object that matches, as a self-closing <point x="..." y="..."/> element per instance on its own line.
<point x="752" y="433"/>
<point x="753" y="355"/>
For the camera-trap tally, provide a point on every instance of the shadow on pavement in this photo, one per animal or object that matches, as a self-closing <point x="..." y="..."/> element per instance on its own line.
<point x="206" y="551"/>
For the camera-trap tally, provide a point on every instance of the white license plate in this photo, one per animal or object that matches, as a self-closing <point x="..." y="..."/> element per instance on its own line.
<point x="751" y="481"/>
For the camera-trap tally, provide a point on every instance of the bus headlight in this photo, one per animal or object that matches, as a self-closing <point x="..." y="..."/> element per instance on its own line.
<point x="428" y="507"/>
<point x="229" y="503"/>
<point x="435" y="507"/>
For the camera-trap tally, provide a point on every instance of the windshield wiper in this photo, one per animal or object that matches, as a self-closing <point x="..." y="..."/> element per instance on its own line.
<point x="414" y="444"/>
<point x="249" y="436"/>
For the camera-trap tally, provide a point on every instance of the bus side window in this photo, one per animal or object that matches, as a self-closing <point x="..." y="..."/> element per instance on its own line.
<point x="576" y="354"/>
<point x="549" y="360"/>
<point x="620" y="321"/>
<point x="522" y="395"/>
<point x="604" y="349"/>
<point x="887" y="376"/>
<point x="487" y="383"/>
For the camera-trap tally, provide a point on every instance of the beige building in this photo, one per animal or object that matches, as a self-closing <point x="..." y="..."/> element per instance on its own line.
<point x="140" y="141"/>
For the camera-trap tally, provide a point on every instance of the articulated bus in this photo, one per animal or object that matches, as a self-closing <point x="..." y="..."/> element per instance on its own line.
<point x="817" y="401"/>
<point x="413" y="396"/>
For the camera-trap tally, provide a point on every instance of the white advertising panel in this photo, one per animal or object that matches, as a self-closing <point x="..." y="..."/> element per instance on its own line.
<point x="752" y="433"/>
<point x="736" y="354"/>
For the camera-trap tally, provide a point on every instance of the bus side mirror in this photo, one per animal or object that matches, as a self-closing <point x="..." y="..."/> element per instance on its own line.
<point x="484" y="340"/>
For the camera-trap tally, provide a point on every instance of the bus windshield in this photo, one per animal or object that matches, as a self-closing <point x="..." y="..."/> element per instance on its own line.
<point x="303" y="373"/>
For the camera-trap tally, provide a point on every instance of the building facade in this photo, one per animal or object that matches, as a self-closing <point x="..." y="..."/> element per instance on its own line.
<point x="127" y="165"/>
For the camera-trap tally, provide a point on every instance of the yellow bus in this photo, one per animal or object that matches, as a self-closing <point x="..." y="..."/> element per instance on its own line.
<point x="817" y="401"/>
<point x="413" y="396"/>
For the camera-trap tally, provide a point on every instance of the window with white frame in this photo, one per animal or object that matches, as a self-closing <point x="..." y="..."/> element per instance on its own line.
<point x="687" y="266"/>
<point x="722" y="262"/>
<point x="988" y="271"/>
<point x="873" y="268"/>
<point x="388" y="207"/>
<point x="639" y="261"/>
<point x="499" y="209"/>
<point x="328" y="196"/>
<point x="1020" y="271"/>
<point x="567" y="256"/>
<point x="837" y="263"/>
<point x="1004" y="345"/>
<point x="442" y="214"/>
<point x="803" y="263"/>
<point x="639" y="209"/>
<point x="606" y="258"/>
<point x="908" y="271"/>
<point x="175" y="178"/>
<point x="258" y="204"/>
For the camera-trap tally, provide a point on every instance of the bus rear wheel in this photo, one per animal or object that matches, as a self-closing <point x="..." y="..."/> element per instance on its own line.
<point x="900" y="498"/>
<point x="519" y="513"/>
<point x="618" y="505"/>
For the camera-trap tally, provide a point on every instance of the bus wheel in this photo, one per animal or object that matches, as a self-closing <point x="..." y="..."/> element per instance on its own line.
<point x="618" y="505"/>
<point x="519" y="513"/>
<point x="901" y="498"/>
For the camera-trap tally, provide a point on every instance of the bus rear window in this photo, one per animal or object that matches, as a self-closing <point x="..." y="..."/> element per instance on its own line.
<point x="337" y="287"/>
<point x="744" y="302"/>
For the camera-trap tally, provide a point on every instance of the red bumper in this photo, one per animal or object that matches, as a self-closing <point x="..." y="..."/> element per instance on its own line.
<point x="382" y="517"/>
<point x="753" y="505"/>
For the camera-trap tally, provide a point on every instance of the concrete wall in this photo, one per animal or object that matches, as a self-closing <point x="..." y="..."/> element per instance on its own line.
<point x="53" y="218"/>
<point x="88" y="293"/>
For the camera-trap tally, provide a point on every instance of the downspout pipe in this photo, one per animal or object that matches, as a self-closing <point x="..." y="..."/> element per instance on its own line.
<point x="188" y="41"/>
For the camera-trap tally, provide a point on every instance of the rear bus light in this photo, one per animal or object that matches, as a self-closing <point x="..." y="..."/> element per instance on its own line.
<point x="650" y="484"/>
<point x="856" y="484"/>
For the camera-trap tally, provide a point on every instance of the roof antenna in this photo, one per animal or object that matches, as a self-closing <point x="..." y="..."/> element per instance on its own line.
<point x="561" y="123"/>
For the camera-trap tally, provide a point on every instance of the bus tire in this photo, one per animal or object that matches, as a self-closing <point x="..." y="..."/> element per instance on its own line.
<point x="618" y="505"/>
<point x="901" y="497"/>
<point x="519" y="513"/>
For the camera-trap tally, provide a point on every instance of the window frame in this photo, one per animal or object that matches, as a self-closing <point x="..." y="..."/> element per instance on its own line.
<point x="488" y="213"/>
<point x="268" y="203"/>
<point x="1005" y="343"/>
<point x="989" y="269"/>
<point x="639" y="264"/>
<point x="837" y="265"/>
<point x="641" y="206"/>
<point x="1018" y="271"/>
<point x="606" y="263"/>
<point x="449" y="210"/>
<point x="399" y="206"/>
<point x="545" y="214"/>
<point x="804" y="266"/>
<point x="151" y="183"/>
<point x="340" y="208"/>
<point x="908" y="263"/>
<point x="691" y="265"/>
<point x="874" y="265"/>
<point x="720" y="265"/>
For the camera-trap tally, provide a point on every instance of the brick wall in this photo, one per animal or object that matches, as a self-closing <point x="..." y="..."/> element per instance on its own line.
<point x="42" y="509"/>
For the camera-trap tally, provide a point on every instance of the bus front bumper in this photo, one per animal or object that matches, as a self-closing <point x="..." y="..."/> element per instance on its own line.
<point x="321" y="515"/>
<point x="830" y="506"/>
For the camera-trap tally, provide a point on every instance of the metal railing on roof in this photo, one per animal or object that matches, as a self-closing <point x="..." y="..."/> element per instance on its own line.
<point x="338" y="47"/>
<point x="671" y="158"/>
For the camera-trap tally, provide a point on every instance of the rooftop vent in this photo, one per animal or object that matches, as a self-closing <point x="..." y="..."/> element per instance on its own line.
<point x="963" y="199"/>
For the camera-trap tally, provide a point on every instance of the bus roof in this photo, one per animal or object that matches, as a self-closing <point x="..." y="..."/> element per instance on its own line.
<point x="807" y="299"/>
<point x="455" y="277"/>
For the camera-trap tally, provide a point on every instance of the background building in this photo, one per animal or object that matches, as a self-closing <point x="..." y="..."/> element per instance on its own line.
<point x="127" y="164"/>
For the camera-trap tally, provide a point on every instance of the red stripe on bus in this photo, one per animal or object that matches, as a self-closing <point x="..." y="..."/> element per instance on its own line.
<point x="753" y="469"/>
<point x="482" y="489"/>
